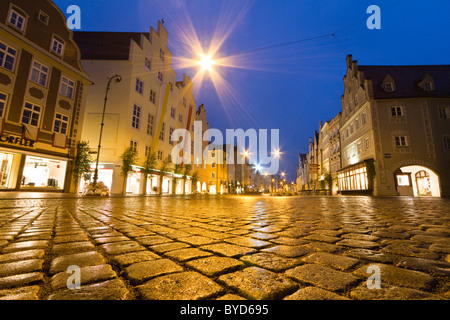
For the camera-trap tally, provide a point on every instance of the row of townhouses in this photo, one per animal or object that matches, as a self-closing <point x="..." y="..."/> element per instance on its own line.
<point x="392" y="136"/>
<point x="56" y="87"/>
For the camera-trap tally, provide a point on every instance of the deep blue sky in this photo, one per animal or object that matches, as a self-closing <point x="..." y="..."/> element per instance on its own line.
<point x="294" y="87"/>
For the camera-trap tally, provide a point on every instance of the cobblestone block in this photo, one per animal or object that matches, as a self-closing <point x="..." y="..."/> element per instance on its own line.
<point x="187" y="254"/>
<point x="19" y="280"/>
<point x="248" y="242"/>
<point x="88" y="275"/>
<point x="180" y="286"/>
<point x="371" y="255"/>
<point x="331" y="260"/>
<point x="126" y="259"/>
<point x="271" y="261"/>
<point x="358" y="244"/>
<point x="228" y="250"/>
<point x="139" y="272"/>
<point x="166" y="247"/>
<point x="104" y="240"/>
<point x="26" y="245"/>
<point x="432" y="266"/>
<point x="405" y="249"/>
<point x="121" y="247"/>
<point x="323" y="277"/>
<point x="19" y="267"/>
<point x="153" y="240"/>
<point x="288" y="251"/>
<point x="71" y="248"/>
<point x="400" y="277"/>
<point x="359" y="236"/>
<point x="388" y="292"/>
<point x="322" y="238"/>
<point x="84" y="259"/>
<point x="197" y="240"/>
<point x="23" y="293"/>
<point x="22" y="255"/>
<point x="313" y="293"/>
<point x="108" y="290"/>
<point x="230" y="297"/>
<point x="215" y="266"/>
<point x="258" y="284"/>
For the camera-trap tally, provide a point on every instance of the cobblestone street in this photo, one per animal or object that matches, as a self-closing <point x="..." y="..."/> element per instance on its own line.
<point x="224" y="247"/>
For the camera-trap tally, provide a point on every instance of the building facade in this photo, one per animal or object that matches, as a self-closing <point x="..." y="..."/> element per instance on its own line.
<point x="395" y="130"/>
<point x="43" y="90"/>
<point x="143" y="110"/>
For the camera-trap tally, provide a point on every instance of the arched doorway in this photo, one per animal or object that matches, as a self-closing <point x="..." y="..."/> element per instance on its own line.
<point x="417" y="181"/>
<point x="199" y="186"/>
<point x="204" y="187"/>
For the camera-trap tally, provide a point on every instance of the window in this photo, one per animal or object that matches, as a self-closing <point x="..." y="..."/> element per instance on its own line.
<point x="17" y="20"/>
<point x="153" y="96"/>
<point x="403" y="180"/>
<point x="357" y="123"/>
<point x="57" y="47"/>
<point x="39" y="74"/>
<point x="401" y="141"/>
<point x="170" y="136"/>
<point x="139" y="86"/>
<point x="364" y="118"/>
<point x="136" y="117"/>
<point x="43" y="17"/>
<point x="447" y="143"/>
<point x="366" y="143"/>
<point x="160" y="77"/>
<point x="429" y="86"/>
<point x="359" y="147"/>
<point x="150" y="124"/>
<point x="444" y="112"/>
<point x="389" y="87"/>
<point x="2" y="104"/>
<point x="397" y="111"/>
<point x="147" y="151"/>
<point x="31" y="114"/>
<point x="180" y="118"/>
<point x="172" y="112"/>
<point x="148" y="64"/>
<point x="7" y="57"/>
<point x="161" y="136"/>
<point x="351" y="128"/>
<point x="161" y="54"/>
<point x="213" y="174"/>
<point x="134" y="145"/>
<point x="213" y="165"/>
<point x="67" y="87"/>
<point x="184" y="101"/>
<point x="160" y="155"/>
<point x="61" y="123"/>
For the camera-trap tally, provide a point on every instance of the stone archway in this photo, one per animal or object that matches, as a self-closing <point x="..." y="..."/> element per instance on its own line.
<point x="417" y="181"/>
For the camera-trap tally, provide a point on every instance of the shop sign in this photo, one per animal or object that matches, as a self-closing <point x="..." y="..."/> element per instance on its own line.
<point x="17" y="141"/>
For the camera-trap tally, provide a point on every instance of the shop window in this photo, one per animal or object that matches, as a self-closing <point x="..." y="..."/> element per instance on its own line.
<point x="403" y="180"/>
<point x="6" y="161"/>
<point x="67" y="87"/>
<point x="3" y="98"/>
<point x="39" y="74"/>
<point x="61" y="123"/>
<point x="8" y="57"/>
<point x="41" y="172"/>
<point x="31" y="114"/>
<point x="17" y="20"/>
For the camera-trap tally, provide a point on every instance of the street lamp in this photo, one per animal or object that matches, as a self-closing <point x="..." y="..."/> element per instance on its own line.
<point x="116" y="78"/>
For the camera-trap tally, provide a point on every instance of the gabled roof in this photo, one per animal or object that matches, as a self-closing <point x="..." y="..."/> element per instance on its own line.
<point x="407" y="80"/>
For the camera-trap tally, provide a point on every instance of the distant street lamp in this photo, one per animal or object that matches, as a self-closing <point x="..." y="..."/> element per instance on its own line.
<point x="117" y="78"/>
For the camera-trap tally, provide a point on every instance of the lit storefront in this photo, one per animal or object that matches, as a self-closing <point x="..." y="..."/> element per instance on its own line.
<point x="354" y="179"/>
<point x="105" y="175"/>
<point x="43" y="173"/>
<point x="7" y="172"/>
<point x="134" y="180"/>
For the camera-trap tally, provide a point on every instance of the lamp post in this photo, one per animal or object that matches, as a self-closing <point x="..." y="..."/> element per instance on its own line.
<point x="117" y="78"/>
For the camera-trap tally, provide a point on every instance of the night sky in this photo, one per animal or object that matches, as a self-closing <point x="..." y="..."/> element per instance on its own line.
<point x="278" y="86"/>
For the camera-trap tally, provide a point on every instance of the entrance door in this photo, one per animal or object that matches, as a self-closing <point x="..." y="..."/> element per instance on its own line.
<point x="423" y="183"/>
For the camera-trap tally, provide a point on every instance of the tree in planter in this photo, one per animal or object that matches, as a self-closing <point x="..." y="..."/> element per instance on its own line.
<point x="128" y="158"/>
<point x="328" y="178"/>
<point x="176" y="171"/>
<point x="149" y="165"/>
<point x="187" y="171"/>
<point x="81" y="162"/>
<point x="165" y="167"/>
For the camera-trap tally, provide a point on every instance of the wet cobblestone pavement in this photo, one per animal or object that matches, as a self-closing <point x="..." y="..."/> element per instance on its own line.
<point x="225" y="247"/>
